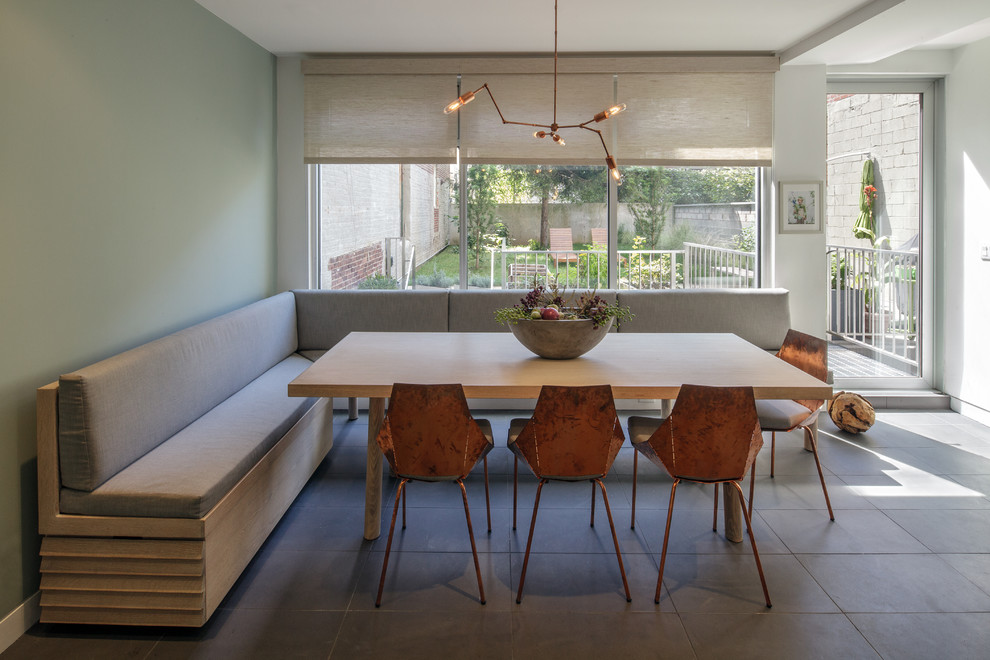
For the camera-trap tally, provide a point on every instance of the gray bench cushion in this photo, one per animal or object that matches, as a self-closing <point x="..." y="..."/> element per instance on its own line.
<point x="760" y="316"/>
<point x="117" y="410"/>
<point x="326" y="317"/>
<point x="186" y="476"/>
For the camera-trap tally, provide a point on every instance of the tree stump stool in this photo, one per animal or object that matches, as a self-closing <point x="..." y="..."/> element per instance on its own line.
<point x="851" y="412"/>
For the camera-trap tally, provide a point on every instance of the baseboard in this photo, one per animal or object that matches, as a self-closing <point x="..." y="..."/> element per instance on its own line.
<point x="977" y="413"/>
<point x="19" y="621"/>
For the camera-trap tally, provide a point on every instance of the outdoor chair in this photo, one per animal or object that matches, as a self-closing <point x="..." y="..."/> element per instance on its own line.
<point x="711" y="436"/>
<point x="809" y="354"/>
<point x="429" y="435"/>
<point x="573" y="435"/>
<point x="561" y="246"/>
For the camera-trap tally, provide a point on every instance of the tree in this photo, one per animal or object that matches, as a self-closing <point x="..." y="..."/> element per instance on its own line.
<point x="651" y="196"/>
<point x="573" y="184"/>
<point x="481" y="202"/>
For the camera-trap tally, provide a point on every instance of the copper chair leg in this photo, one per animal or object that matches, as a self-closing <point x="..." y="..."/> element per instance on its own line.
<point x="773" y="450"/>
<point x="715" y="513"/>
<point x="632" y="516"/>
<point x="615" y="538"/>
<point x="515" y="488"/>
<point x="752" y="484"/>
<point x="666" y="537"/>
<point x="388" y="544"/>
<point x="818" y="464"/>
<point x="474" y="550"/>
<point x="752" y="541"/>
<point x="529" y="542"/>
<point x="488" y="501"/>
<point x="593" y="498"/>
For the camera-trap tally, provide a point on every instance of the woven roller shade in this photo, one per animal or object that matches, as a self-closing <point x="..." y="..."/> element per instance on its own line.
<point x="695" y="119"/>
<point x="379" y="119"/>
<point x="529" y="98"/>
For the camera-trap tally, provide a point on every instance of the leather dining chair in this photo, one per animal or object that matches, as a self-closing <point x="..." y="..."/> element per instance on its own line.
<point x="573" y="435"/>
<point x="429" y="435"/>
<point x="711" y="436"/>
<point x="809" y="354"/>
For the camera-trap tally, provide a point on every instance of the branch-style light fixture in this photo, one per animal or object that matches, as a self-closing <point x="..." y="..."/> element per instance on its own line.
<point x="554" y="127"/>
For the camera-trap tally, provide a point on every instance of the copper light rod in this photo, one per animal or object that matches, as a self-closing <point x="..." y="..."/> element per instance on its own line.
<point x="467" y="97"/>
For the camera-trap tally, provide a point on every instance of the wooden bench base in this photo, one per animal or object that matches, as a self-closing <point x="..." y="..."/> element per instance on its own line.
<point x="165" y="572"/>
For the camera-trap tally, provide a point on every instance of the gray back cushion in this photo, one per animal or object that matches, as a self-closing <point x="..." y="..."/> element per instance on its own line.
<point x="325" y="317"/>
<point x="760" y="316"/>
<point x="473" y="310"/>
<point x="115" y="411"/>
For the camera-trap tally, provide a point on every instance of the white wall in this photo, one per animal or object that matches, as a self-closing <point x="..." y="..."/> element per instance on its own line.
<point x="137" y="196"/>
<point x="963" y="278"/>
<point x="798" y="260"/>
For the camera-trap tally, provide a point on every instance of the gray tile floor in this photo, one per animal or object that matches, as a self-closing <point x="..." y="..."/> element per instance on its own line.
<point x="903" y="572"/>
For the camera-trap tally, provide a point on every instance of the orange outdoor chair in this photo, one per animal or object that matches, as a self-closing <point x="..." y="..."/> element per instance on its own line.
<point x="429" y="435"/>
<point x="573" y="435"/>
<point x="561" y="246"/>
<point x="711" y="436"/>
<point x="809" y="354"/>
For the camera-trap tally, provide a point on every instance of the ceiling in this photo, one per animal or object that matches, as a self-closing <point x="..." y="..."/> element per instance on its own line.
<point x="800" y="31"/>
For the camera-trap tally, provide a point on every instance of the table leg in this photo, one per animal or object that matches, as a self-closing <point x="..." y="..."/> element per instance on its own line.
<point x="352" y="408"/>
<point x="733" y="514"/>
<point x="373" y="476"/>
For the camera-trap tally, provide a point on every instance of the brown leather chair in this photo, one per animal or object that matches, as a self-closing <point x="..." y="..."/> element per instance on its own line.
<point x="573" y="435"/>
<point x="711" y="436"/>
<point x="429" y="435"/>
<point x="809" y="354"/>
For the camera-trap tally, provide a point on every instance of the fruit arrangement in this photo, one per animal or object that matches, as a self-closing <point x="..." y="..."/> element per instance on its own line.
<point x="549" y="303"/>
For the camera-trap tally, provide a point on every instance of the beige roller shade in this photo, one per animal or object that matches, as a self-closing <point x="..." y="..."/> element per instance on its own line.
<point x="379" y="119"/>
<point x="695" y="119"/>
<point x="529" y="98"/>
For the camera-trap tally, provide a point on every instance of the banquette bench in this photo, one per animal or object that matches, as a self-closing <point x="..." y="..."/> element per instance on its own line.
<point x="163" y="469"/>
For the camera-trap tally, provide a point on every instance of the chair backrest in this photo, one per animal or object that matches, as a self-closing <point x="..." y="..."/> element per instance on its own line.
<point x="560" y="239"/>
<point x="429" y="433"/>
<point x="712" y="434"/>
<point x="599" y="236"/>
<point x="574" y="432"/>
<point x="810" y="355"/>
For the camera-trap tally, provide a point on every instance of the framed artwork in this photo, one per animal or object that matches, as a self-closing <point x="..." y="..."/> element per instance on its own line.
<point x="800" y="208"/>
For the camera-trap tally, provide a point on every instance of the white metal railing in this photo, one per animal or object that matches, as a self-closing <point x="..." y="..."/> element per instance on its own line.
<point x="873" y="300"/>
<point x="709" y="267"/>
<point x="400" y="261"/>
<point x="697" y="266"/>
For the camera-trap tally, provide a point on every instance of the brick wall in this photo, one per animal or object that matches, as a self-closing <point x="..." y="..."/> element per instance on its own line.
<point x="888" y="126"/>
<point x="346" y="271"/>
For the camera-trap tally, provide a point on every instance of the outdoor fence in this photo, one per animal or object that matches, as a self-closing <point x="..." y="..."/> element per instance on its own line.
<point x="873" y="300"/>
<point x="696" y="266"/>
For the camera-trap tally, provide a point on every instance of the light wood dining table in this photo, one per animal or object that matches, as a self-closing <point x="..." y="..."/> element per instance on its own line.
<point x="496" y="366"/>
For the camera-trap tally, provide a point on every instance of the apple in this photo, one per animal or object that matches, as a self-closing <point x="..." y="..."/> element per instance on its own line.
<point x="549" y="314"/>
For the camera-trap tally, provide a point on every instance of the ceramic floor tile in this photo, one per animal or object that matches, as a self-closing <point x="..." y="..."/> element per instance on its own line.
<point x="974" y="567"/>
<point x="949" y="531"/>
<point x="906" y="489"/>
<point x="61" y="642"/>
<point x="775" y="635"/>
<point x="423" y="635"/>
<point x="569" y="530"/>
<point x="895" y="583"/>
<point x="709" y="583"/>
<point x="926" y="636"/>
<point x="691" y="533"/>
<point x="587" y="636"/>
<point x="434" y="582"/>
<point x="586" y="583"/>
<point x="853" y="531"/>
<point x="248" y="633"/>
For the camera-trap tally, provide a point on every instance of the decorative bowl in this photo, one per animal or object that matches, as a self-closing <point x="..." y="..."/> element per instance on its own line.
<point x="562" y="339"/>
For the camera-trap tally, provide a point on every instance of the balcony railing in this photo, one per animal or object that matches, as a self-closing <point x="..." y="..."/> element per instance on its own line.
<point x="873" y="301"/>
<point x="696" y="266"/>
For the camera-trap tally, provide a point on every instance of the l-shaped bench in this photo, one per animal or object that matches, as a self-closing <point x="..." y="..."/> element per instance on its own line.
<point x="163" y="469"/>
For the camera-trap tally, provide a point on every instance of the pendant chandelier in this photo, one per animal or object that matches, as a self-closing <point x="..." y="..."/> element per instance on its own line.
<point x="553" y="128"/>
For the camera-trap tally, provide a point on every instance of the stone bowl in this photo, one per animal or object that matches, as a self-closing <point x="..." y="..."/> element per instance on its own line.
<point x="561" y="339"/>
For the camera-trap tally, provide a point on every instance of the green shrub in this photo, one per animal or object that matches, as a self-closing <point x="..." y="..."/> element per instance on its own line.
<point x="379" y="281"/>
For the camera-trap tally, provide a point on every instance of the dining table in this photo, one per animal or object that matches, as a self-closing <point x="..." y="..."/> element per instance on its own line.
<point x="494" y="365"/>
